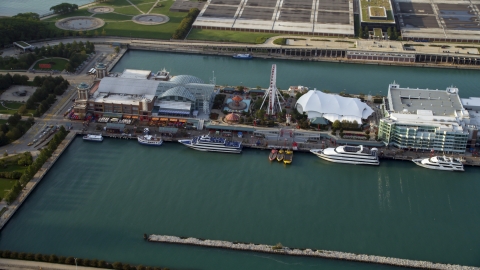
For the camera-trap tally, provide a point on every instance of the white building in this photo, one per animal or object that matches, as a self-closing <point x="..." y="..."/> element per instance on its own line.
<point x="332" y="107"/>
<point x="426" y="120"/>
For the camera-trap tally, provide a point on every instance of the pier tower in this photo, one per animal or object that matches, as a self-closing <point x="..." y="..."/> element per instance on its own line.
<point x="273" y="95"/>
<point x="101" y="70"/>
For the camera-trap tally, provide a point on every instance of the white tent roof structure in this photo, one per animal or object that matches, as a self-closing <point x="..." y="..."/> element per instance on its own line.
<point x="332" y="107"/>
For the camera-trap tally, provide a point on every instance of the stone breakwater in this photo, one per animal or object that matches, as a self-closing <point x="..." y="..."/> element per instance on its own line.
<point x="327" y="254"/>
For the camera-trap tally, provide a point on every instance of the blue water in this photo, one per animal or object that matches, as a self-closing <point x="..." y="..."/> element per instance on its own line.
<point x="13" y="7"/>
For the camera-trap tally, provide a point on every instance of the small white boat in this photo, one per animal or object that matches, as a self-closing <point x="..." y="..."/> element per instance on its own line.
<point x="93" y="138"/>
<point x="150" y="140"/>
<point x="440" y="163"/>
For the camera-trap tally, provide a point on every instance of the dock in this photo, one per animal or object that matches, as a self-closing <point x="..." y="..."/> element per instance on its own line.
<point x="326" y="254"/>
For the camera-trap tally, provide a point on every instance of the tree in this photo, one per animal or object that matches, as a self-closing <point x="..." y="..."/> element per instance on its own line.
<point x="53" y="258"/>
<point x="360" y="32"/>
<point x="389" y="32"/>
<point x="365" y="32"/>
<point x="27" y="16"/>
<point x="64" y="8"/>
<point x="117" y="49"/>
<point x="117" y="266"/>
<point x="104" y="33"/>
<point x="337" y="125"/>
<point x="22" y="110"/>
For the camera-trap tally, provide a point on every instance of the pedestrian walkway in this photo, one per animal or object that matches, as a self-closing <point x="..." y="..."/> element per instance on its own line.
<point x="22" y="265"/>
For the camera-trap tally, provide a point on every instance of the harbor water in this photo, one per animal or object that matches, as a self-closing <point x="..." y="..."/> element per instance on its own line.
<point x="335" y="77"/>
<point x="100" y="205"/>
<point x="10" y="8"/>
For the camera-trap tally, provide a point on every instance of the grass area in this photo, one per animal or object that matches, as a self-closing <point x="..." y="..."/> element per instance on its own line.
<point x="5" y="186"/>
<point x="146" y="5"/>
<point x="319" y="39"/>
<point x="11" y="108"/>
<point x="113" y="17"/>
<point x="79" y="12"/>
<point x="128" y="10"/>
<point x="229" y="36"/>
<point x="365" y="4"/>
<point x="119" y="25"/>
<point x="57" y="64"/>
<point x="377" y="32"/>
<point x="378" y="11"/>
<point x="280" y="41"/>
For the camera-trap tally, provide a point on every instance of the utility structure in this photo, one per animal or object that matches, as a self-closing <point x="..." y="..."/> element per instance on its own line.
<point x="273" y="95"/>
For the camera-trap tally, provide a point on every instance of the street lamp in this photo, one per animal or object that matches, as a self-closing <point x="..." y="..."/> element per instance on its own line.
<point x="76" y="266"/>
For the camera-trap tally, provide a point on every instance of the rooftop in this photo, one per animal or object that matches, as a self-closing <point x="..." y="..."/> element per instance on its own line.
<point x="127" y="86"/>
<point x="448" y="124"/>
<point x="136" y="74"/>
<point x="410" y="101"/>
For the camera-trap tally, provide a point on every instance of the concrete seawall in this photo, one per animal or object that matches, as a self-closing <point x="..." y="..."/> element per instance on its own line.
<point x="12" y="208"/>
<point x="326" y="254"/>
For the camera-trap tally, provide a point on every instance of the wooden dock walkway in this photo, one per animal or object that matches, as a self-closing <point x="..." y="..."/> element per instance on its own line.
<point x="326" y="254"/>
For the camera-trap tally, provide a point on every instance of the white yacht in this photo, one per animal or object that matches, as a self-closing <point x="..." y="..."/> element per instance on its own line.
<point x="212" y="144"/>
<point x="440" y="163"/>
<point x="150" y="140"/>
<point x="94" y="138"/>
<point x="357" y="155"/>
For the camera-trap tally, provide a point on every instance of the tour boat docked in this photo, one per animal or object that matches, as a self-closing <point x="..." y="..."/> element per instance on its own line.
<point x="440" y="163"/>
<point x="242" y="56"/>
<point x="357" y="155"/>
<point x="280" y="155"/>
<point x="150" y="140"/>
<point x="273" y="154"/>
<point x="212" y="144"/>
<point x="288" y="157"/>
<point x="93" y="138"/>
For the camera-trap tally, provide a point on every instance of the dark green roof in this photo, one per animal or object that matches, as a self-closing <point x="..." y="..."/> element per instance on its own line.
<point x="319" y="121"/>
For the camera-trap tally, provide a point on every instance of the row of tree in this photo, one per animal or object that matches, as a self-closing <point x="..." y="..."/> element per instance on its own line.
<point x="75" y="52"/>
<point x="64" y="8"/>
<point x="32" y="169"/>
<point x="392" y="33"/>
<point x="45" y="95"/>
<point x="186" y="24"/>
<point x="8" y="80"/>
<point x="14" y="128"/>
<point x="24" y="29"/>
<point x="7" y="254"/>
<point x="11" y="175"/>
<point x="345" y="124"/>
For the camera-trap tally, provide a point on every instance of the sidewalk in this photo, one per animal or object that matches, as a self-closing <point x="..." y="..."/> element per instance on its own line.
<point x="22" y="265"/>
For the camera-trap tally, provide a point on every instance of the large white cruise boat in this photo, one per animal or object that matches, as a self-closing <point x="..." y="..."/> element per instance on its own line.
<point x="150" y="140"/>
<point x="213" y="144"/>
<point x="440" y="163"/>
<point x="358" y="155"/>
<point x="93" y="138"/>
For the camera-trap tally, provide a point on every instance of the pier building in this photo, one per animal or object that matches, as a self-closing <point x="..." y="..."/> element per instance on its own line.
<point x="141" y="94"/>
<point x="332" y="107"/>
<point x="425" y="119"/>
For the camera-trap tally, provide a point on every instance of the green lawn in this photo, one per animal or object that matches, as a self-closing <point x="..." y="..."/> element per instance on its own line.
<point x="113" y="17"/>
<point x="116" y="24"/>
<point x="80" y="12"/>
<point x="364" y="4"/>
<point x="5" y="186"/>
<point x="128" y="10"/>
<point x="229" y="36"/>
<point x="57" y="63"/>
<point x="13" y="107"/>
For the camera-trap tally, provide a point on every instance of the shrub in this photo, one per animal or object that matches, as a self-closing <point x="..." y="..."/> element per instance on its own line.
<point x="117" y="265"/>
<point x="22" y="255"/>
<point x="45" y="258"/>
<point x="53" y="259"/>
<point x="61" y="259"/>
<point x="94" y="263"/>
<point x="126" y="266"/>
<point x="86" y="262"/>
<point x="140" y="267"/>
<point x="30" y="256"/>
<point x="102" y="264"/>
<point x="38" y="257"/>
<point x="6" y="254"/>
<point x="14" y="255"/>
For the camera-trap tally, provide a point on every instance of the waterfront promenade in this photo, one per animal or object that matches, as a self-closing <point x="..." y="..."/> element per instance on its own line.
<point x="32" y="265"/>
<point x="327" y="254"/>
<point x="12" y="208"/>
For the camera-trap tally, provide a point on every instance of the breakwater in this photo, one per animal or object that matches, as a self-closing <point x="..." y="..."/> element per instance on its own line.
<point x="327" y="254"/>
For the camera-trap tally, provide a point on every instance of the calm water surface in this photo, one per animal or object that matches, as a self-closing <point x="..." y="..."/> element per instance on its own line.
<point x="336" y="77"/>
<point x="13" y="7"/>
<point x="100" y="198"/>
